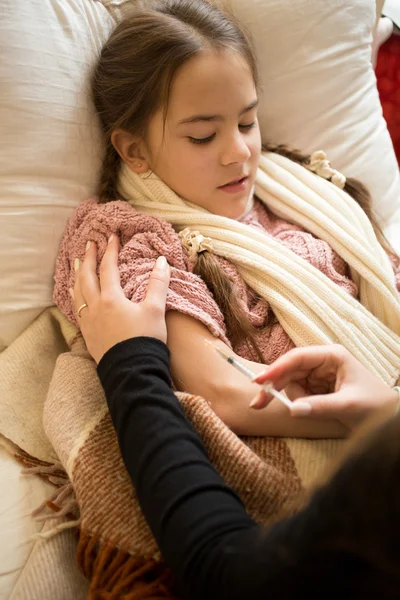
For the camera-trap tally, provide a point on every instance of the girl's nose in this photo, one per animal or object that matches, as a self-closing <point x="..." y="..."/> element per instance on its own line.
<point x="235" y="151"/>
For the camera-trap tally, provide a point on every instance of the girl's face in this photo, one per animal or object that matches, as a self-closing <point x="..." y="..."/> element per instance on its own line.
<point x="211" y="137"/>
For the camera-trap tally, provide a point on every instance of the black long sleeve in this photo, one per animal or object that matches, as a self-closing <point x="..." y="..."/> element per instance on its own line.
<point x="201" y="526"/>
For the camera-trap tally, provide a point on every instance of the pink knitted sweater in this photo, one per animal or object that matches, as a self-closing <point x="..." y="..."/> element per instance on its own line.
<point x="143" y="238"/>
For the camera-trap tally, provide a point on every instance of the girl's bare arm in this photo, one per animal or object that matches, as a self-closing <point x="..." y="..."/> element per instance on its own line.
<point x="198" y="369"/>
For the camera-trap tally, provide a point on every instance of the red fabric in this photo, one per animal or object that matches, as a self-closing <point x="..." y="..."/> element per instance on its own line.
<point x="388" y="75"/>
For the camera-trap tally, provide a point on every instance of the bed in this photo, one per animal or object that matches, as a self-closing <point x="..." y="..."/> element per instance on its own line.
<point x="319" y="93"/>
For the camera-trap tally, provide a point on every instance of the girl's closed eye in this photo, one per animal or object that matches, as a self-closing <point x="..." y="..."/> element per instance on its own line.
<point x="194" y="140"/>
<point x="205" y="140"/>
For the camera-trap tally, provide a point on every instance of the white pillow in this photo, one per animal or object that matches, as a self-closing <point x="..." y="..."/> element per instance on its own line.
<point x="319" y="93"/>
<point x="49" y="153"/>
<point x="320" y="89"/>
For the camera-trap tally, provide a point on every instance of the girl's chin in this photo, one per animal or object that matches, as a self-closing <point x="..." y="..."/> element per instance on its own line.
<point x="234" y="208"/>
<point x="235" y="214"/>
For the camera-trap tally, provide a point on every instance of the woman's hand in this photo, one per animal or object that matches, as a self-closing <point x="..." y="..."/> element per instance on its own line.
<point x="340" y="386"/>
<point x="109" y="317"/>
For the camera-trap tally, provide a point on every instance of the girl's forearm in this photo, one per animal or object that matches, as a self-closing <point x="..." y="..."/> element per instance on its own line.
<point x="231" y="403"/>
<point x="198" y="369"/>
<point x="274" y="420"/>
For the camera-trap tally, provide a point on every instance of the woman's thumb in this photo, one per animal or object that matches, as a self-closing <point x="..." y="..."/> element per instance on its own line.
<point x="329" y="406"/>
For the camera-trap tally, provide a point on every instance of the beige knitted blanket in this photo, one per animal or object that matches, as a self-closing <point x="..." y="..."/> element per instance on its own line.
<point x="54" y="419"/>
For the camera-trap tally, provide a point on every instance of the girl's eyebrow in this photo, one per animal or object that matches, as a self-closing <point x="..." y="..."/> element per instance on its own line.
<point x="197" y="118"/>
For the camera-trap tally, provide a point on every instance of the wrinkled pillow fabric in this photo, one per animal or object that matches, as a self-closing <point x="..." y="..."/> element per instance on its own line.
<point x="50" y="148"/>
<point x="319" y="90"/>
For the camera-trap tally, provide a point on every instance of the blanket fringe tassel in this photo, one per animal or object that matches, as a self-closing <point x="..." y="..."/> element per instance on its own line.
<point x="117" y="575"/>
<point x="114" y="574"/>
<point x="62" y="502"/>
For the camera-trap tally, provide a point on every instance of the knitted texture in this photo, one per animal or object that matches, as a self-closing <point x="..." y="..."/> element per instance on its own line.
<point x="116" y="550"/>
<point x="279" y="269"/>
<point x="311" y="308"/>
<point x="144" y="238"/>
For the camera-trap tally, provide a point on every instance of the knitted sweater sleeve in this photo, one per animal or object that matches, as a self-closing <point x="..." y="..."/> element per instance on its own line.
<point x="142" y="239"/>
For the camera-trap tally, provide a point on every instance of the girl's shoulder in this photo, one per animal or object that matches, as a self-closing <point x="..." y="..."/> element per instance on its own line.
<point x="141" y="236"/>
<point x="119" y="215"/>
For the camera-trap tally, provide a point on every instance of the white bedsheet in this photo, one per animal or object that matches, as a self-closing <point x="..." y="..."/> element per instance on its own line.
<point x="22" y="576"/>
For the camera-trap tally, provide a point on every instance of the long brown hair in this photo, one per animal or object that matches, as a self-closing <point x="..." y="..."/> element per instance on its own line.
<point x="132" y="80"/>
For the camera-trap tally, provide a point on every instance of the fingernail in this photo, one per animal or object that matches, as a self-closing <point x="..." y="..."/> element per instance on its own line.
<point x="300" y="409"/>
<point x="110" y="239"/>
<point x="257" y="377"/>
<point x="87" y="246"/>
<point x="255" y="400"/>
<point x="161" y="263"/>
<point x="71" y="293"/>
<point x="77" y="264"/>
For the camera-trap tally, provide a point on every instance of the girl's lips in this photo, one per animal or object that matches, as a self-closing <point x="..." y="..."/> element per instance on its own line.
<point x="234" y="188"/>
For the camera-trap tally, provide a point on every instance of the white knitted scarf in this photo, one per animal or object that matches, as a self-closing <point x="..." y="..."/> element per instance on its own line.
<point x="311" y="308"/>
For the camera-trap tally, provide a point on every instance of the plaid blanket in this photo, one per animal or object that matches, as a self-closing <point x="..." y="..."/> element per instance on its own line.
<point x="54" y="419"/>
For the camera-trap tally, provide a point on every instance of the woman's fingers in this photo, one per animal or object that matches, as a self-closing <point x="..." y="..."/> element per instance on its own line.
<point x="86" y="280"/>
<point x="110" y="282"/>
<point x="157" y="288"/>
<point x="77" y="294"/>
<point x="293" y="391"/>
<point x="344" y="389"/>
<point x="261" y="400"/>
<point x="299" y="364"/>
<point x="328" y="406"/>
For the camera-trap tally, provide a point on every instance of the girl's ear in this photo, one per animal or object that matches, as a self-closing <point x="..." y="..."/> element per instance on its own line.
<point x="131" y="149"/>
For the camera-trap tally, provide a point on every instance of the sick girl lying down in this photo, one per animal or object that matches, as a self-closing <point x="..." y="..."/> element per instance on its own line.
<point x="269" y="249"/>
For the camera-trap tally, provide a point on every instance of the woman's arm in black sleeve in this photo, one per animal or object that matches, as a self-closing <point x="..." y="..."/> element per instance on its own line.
<point x="200" y="524"/>
<point x="206" y="537"/>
